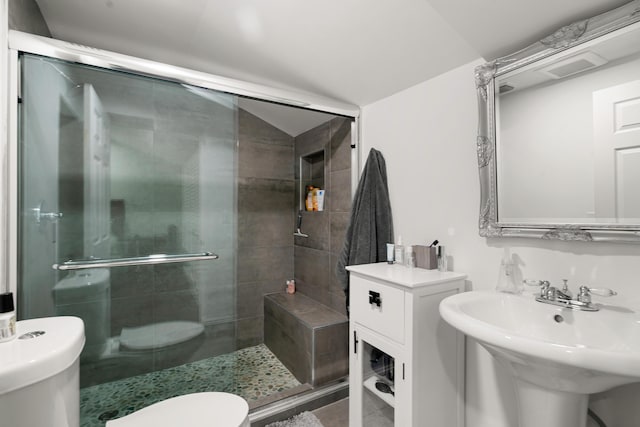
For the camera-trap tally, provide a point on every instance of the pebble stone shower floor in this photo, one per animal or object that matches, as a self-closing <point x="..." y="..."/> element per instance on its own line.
<point x="252" y="373"/>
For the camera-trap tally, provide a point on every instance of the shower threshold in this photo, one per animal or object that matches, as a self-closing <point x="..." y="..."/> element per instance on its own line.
<point x="305" y="401"/>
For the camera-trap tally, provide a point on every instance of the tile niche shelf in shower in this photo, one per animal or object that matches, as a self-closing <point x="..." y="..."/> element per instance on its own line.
<point x="312" y="168"/>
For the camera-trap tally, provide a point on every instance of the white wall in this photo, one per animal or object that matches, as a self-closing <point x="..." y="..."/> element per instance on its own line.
<point x="427" y="135"/>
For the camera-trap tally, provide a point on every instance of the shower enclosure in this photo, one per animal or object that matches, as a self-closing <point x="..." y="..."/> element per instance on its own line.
<point x="128" y="216"/>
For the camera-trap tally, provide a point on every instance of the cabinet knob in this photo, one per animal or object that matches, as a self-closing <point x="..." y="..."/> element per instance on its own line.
<point x="374" y="298"/>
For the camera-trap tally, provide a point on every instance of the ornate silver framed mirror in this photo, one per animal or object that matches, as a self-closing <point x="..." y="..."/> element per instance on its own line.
<point x="559" y="134"/>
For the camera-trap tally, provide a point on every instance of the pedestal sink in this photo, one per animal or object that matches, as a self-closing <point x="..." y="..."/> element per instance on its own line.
<point x="556" y="355"/>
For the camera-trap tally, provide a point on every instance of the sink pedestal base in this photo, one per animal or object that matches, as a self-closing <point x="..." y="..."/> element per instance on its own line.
<point x="538" y="406"/>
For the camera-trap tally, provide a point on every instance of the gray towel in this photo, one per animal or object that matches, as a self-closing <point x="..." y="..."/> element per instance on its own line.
<point x="370" y="226"/>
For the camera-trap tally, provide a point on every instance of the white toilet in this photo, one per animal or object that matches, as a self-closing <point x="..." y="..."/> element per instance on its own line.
<point x="39" y="373"/>
<point x="39" y="385"/>
<point x="87" y="294"/>
<point x="190" y="410"/>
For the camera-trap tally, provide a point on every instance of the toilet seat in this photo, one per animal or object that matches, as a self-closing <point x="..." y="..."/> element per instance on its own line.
<point x="159" y="335"/>
<point x="190" y="410"/>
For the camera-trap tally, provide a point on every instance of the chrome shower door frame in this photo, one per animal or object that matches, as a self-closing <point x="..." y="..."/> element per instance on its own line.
<point x="52" y="48"/>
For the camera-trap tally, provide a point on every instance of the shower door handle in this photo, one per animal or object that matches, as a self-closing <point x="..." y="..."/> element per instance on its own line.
<point x="40" y="216"/>
<point x="123" y="262"/>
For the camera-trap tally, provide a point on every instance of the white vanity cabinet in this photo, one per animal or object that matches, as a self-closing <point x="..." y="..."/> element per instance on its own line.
<point x="397" y="338"/>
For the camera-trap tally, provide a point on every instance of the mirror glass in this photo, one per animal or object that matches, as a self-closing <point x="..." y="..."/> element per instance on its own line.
<point x="568" y="135"/>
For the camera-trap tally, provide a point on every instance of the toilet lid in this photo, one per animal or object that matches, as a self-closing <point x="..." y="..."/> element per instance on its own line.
<point x="159" y="335"/>
<point x="190" y="410"/>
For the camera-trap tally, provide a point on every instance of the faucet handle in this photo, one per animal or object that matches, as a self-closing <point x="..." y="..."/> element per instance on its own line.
<point x="585" y="292"/>
<point x="545" y="286"/>
<point x="533" y="282"/>
<point x="603" y="292"/>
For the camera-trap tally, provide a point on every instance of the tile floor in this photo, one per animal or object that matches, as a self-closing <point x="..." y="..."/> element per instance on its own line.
<point x="253" y="373"/>
<point x="376" y="413"/>
<point x="335" y="414"/>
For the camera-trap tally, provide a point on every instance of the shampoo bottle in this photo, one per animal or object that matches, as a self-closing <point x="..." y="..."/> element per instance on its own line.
<point x="309" y="199"/>
<point x="320" y="198"/>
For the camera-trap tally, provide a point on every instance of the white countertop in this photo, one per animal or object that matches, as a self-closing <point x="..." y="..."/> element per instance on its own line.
<point x="404" y="276"/>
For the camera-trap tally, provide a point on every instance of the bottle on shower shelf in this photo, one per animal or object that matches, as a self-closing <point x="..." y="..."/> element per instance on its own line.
<point x="309" y="199"/>
<point x="291" y="286"/>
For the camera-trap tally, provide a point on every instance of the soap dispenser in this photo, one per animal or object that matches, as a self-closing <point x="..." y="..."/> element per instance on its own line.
<point x="506" y="277"/>
<point x="399" y="249"/>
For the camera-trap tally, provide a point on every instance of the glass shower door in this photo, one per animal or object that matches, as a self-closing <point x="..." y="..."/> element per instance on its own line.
<point x="116" y="173"/>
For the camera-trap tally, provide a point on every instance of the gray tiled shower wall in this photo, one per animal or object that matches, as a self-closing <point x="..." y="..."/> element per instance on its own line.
<point x="268" y="202"/>
<point x="315" y="257"/>
<point x="265" y="220"/>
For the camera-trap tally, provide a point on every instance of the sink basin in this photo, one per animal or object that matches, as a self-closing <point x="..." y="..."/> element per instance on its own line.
<point x="556" y="355"/>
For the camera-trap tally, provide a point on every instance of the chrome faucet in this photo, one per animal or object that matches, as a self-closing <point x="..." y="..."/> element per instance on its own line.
<point x="564" y="297"/>
<point x="565" y="293"/>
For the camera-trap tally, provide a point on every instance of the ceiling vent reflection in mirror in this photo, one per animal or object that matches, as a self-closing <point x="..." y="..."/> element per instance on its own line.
<point x="573" y="65"/>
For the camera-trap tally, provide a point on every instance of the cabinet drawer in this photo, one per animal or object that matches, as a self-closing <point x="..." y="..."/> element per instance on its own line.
<point x="377" y="306"/>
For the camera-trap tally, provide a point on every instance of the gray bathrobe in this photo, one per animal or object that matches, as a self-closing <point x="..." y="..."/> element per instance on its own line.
<point x="370" y="226"/>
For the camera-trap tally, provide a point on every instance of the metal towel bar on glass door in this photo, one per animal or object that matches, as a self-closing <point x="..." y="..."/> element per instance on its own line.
<point x="146" y="260"/>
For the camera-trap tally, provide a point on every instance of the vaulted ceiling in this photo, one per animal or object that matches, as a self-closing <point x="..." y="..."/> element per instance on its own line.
<point x="357" y="51"/>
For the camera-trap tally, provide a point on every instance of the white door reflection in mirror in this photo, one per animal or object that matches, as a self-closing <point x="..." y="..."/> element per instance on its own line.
<point x="616" y="118"/>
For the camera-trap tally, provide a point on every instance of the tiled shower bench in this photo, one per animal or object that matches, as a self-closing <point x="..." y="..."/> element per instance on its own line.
<point x="309" y="338"/>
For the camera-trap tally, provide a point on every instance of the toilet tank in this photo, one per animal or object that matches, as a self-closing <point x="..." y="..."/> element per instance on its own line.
<point x="39" y="373"/>
<point x="87" y="294"/>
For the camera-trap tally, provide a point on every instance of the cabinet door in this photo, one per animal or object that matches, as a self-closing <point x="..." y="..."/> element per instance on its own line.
<point x="377" y="387"/>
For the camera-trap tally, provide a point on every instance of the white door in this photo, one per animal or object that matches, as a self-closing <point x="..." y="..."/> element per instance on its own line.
<point x="97" y="194"/>
<point x="616" y="113"/>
